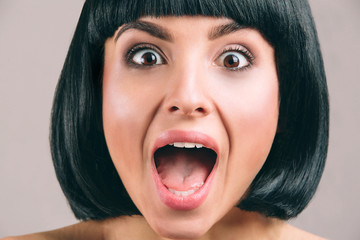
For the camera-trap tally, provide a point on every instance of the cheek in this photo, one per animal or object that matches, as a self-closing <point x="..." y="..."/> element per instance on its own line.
<point x="251" y="116"/>
<point x="122" y="121"/>
<point x="118" y="125"/>
<point x="252" y="124"/>
<point x="258" y="121"/>
<point x="250" y="106"/>
<point x="129" y="106"/>
<point x="258" y="114"/>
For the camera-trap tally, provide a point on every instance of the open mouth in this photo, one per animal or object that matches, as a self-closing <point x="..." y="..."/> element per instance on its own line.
<point x="184" y="167"/>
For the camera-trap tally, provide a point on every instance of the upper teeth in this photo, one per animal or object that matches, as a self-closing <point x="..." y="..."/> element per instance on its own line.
<point x="186" y="145"/>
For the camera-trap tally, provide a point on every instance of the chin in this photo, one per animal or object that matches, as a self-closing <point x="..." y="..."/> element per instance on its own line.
<point x="181" y="233"/>
<point x="183" y="229"/>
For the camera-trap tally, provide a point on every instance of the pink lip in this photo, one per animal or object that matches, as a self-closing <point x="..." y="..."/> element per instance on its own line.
<point x="196" y="199"/>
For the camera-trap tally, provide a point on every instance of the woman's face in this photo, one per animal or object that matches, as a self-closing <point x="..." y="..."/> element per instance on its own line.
<point x="190" y="110"/>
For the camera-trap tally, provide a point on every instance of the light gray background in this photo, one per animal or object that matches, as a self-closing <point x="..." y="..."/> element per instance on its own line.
<point x="34" y="37"/>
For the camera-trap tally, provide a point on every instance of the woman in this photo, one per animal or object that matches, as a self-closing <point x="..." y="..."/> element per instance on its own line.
<point x="190" y="120"/>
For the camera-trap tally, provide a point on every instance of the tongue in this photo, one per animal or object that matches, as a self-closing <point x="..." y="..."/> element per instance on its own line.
<point x="183" y="169"/>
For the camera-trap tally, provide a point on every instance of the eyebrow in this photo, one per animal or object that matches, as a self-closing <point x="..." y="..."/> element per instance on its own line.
<point x="151" y="28"/>
<point x="160" y="32"/>
<point x="224" y="29"/>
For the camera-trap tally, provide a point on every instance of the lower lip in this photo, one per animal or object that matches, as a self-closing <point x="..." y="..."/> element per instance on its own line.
<point x="189" y="202"/>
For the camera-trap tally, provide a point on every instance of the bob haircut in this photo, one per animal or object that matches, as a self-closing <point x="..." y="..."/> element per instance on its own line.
<point x="292" y="171"/>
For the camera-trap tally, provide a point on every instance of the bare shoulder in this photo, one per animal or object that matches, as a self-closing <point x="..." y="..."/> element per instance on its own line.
<point x="85" y="230"/>
<point x="128" y="227"/>
<point x="291" y="232"/>
<point x="38" y="236"/>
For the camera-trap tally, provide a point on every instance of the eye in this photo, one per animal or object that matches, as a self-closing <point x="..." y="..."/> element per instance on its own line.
<point x="235" y="59"/>
<point x="144" y="56"/>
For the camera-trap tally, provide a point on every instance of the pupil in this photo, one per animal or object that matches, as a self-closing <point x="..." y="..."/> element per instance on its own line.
<point x="149" y="59"/>
<point x="231" y="61"/>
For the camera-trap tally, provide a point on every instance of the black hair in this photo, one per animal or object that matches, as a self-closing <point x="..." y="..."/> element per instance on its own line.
<point x="292" y="171"/>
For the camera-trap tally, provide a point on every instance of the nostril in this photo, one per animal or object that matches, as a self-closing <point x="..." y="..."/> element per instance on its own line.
<point x="200" y="109"/>
<point x="188" y="111"/>
<point x="173" y="109"/>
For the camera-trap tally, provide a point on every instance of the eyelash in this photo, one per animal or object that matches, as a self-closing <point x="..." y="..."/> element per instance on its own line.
<point x="138" y="47"/>
<point x="144" y="46"/>
<point x="243" y="51"/>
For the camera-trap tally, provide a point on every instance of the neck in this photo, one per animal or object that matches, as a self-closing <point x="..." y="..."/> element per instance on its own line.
<point x="237" y="223"/>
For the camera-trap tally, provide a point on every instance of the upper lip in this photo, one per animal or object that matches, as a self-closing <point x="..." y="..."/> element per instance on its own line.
<point x="173" y="136"/>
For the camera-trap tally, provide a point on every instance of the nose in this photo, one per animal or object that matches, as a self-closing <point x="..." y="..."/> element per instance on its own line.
<point x="188" y="94"/>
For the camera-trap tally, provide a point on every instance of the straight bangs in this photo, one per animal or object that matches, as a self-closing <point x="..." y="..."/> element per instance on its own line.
<point x="106" y="16"/>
